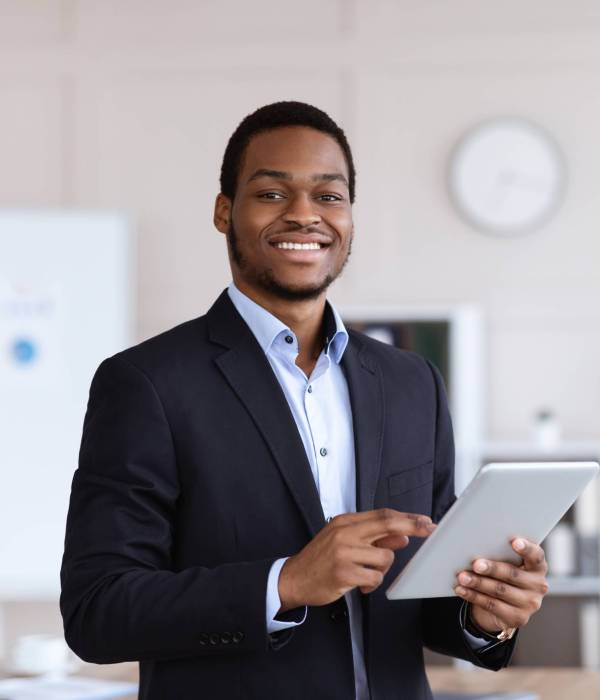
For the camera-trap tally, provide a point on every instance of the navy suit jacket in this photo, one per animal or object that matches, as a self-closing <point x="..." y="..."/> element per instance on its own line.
<point x="193" y="480"/>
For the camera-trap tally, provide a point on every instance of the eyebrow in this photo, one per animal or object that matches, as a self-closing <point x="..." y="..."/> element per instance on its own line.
<point x="282" y="175"/>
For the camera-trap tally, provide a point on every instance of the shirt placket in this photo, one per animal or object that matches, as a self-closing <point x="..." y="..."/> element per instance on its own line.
<point x="314" y="406"/>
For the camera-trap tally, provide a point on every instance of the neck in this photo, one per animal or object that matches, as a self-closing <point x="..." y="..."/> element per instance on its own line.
<point x="304" y="317"/>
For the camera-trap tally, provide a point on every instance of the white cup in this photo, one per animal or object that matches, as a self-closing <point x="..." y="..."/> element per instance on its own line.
<point x="35" y="654"/>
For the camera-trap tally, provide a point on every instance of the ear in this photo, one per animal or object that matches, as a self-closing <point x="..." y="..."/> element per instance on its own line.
<point x="222" y="214"/>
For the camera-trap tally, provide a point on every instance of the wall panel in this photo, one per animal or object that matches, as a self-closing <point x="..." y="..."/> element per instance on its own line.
<point x="153" y="144"/>
<point x="31" y="142"/>
<point x="25" y="23"/>
<point x="190" y="22"/>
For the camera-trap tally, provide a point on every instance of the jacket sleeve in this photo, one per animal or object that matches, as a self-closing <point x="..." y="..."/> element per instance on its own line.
<point x="121" y="598"/>
<point x="442" y="628"/>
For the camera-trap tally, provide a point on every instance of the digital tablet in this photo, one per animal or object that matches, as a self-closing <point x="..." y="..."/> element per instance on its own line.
<point x="503" y="501"/>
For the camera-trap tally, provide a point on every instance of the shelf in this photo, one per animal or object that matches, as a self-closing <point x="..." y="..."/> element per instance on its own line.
<point x="574" y="585"/>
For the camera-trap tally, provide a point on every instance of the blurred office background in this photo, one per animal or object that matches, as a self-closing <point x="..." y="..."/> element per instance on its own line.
<point x="118" y="111"/>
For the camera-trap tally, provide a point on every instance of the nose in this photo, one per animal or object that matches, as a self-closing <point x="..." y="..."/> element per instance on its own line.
<point x="301" y="212"/>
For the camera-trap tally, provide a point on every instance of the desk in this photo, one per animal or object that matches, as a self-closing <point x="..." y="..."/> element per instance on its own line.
<point x="549" y="683"/>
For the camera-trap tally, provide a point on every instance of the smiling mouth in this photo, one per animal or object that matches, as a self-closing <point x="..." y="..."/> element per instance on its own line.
<point x="285" y="245"/>
<point x="300" y="252"/>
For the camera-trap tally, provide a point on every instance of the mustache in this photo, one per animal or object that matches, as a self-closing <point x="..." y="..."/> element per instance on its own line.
<point x="301" y="229"/>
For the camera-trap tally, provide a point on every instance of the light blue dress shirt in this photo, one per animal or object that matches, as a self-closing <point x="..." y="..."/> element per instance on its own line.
<point x="321" y="408"/>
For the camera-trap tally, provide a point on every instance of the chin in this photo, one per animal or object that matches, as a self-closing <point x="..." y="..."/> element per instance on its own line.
<point x="294" y="292"/>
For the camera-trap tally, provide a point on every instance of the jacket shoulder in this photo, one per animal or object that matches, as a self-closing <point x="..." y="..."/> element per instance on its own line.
<point x="392" y="359"/>
<point x="404" y="372"/>
<point x="169" y="350"/>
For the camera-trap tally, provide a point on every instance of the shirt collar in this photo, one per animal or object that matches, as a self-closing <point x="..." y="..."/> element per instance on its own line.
<point x="266" y="327"/>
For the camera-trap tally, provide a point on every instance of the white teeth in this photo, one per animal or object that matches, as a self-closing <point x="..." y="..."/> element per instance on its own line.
<point x="299" y="246"/>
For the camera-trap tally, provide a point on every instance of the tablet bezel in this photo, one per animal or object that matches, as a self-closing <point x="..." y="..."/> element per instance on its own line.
<point x="557" y="484"/>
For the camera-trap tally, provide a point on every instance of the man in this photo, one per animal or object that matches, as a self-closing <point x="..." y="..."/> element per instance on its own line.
<point x="251" y="481"/>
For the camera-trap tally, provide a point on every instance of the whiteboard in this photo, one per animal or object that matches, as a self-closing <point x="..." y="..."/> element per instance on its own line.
<point x="66" y="302"/>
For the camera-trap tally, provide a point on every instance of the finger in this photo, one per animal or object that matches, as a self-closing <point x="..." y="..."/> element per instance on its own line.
<point x="363" y="516"/>
<point x="504" y="571"/>
<point x="509" y="615"/>
<point x="385" y="521"/>
<point x="495" y="589"/>
<point x="392" y="542"/>
<point x="380" y="523"/>
<point x="534" y="558"/>
<point x="392" y="522"/>
<point x="366" y="579"/>
<point x="375" y="557"/>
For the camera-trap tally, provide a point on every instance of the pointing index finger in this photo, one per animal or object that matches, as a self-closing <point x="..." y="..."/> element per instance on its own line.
<point x="392" y="522"/>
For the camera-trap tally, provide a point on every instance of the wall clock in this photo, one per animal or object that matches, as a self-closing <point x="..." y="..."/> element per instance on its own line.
<point x="507" y="176"/>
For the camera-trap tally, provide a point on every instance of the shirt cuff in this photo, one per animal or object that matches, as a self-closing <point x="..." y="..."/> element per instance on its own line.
<point x="274" y="602"/>
<point x="477" y="643"/>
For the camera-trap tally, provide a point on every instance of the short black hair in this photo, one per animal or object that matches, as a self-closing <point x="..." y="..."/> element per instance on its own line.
<point x="275" y="116"/>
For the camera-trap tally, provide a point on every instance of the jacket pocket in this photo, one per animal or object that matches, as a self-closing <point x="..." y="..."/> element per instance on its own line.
<point x="410" y="479"/>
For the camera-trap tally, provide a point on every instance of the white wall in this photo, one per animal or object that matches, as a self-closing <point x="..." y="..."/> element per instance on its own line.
<point x="127" y="104"/>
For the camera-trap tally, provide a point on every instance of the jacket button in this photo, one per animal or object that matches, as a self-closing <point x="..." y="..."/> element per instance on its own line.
<point x="204" y="639"/>
<point x="237" y="637"/>
<point x="214" y="639"/>
<point x="225" y="637"/>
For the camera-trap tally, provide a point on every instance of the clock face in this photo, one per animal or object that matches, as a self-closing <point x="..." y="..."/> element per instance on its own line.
<point x="506" y="176"/>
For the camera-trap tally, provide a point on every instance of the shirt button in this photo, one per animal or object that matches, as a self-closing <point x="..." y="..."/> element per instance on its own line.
<point x="288" y="339"/>
<point x="323" y="451"/>
<point x="339" y="612"/>
<point x="309" y="389"/>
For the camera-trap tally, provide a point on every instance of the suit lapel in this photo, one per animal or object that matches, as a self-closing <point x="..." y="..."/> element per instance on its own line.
<point x="248" y="372"/>
<point x="368" y="411"/>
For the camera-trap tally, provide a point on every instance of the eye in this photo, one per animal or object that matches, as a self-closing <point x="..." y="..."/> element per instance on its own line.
<point x="330" y="197"/>
<point x="270" y="195"/>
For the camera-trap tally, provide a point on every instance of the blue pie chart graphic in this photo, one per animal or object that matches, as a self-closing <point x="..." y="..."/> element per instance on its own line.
<point x="24" y="351"/>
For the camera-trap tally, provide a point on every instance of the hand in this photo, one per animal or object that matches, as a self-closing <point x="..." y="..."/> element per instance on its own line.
<point x="505" y="595"/>
<point x="354" y="549"/>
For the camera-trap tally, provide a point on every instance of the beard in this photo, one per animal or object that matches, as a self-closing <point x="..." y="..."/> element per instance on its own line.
<point x="266" y="280"/>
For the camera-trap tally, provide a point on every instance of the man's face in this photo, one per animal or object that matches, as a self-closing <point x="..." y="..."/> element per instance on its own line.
<point x="292" y="189"/>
